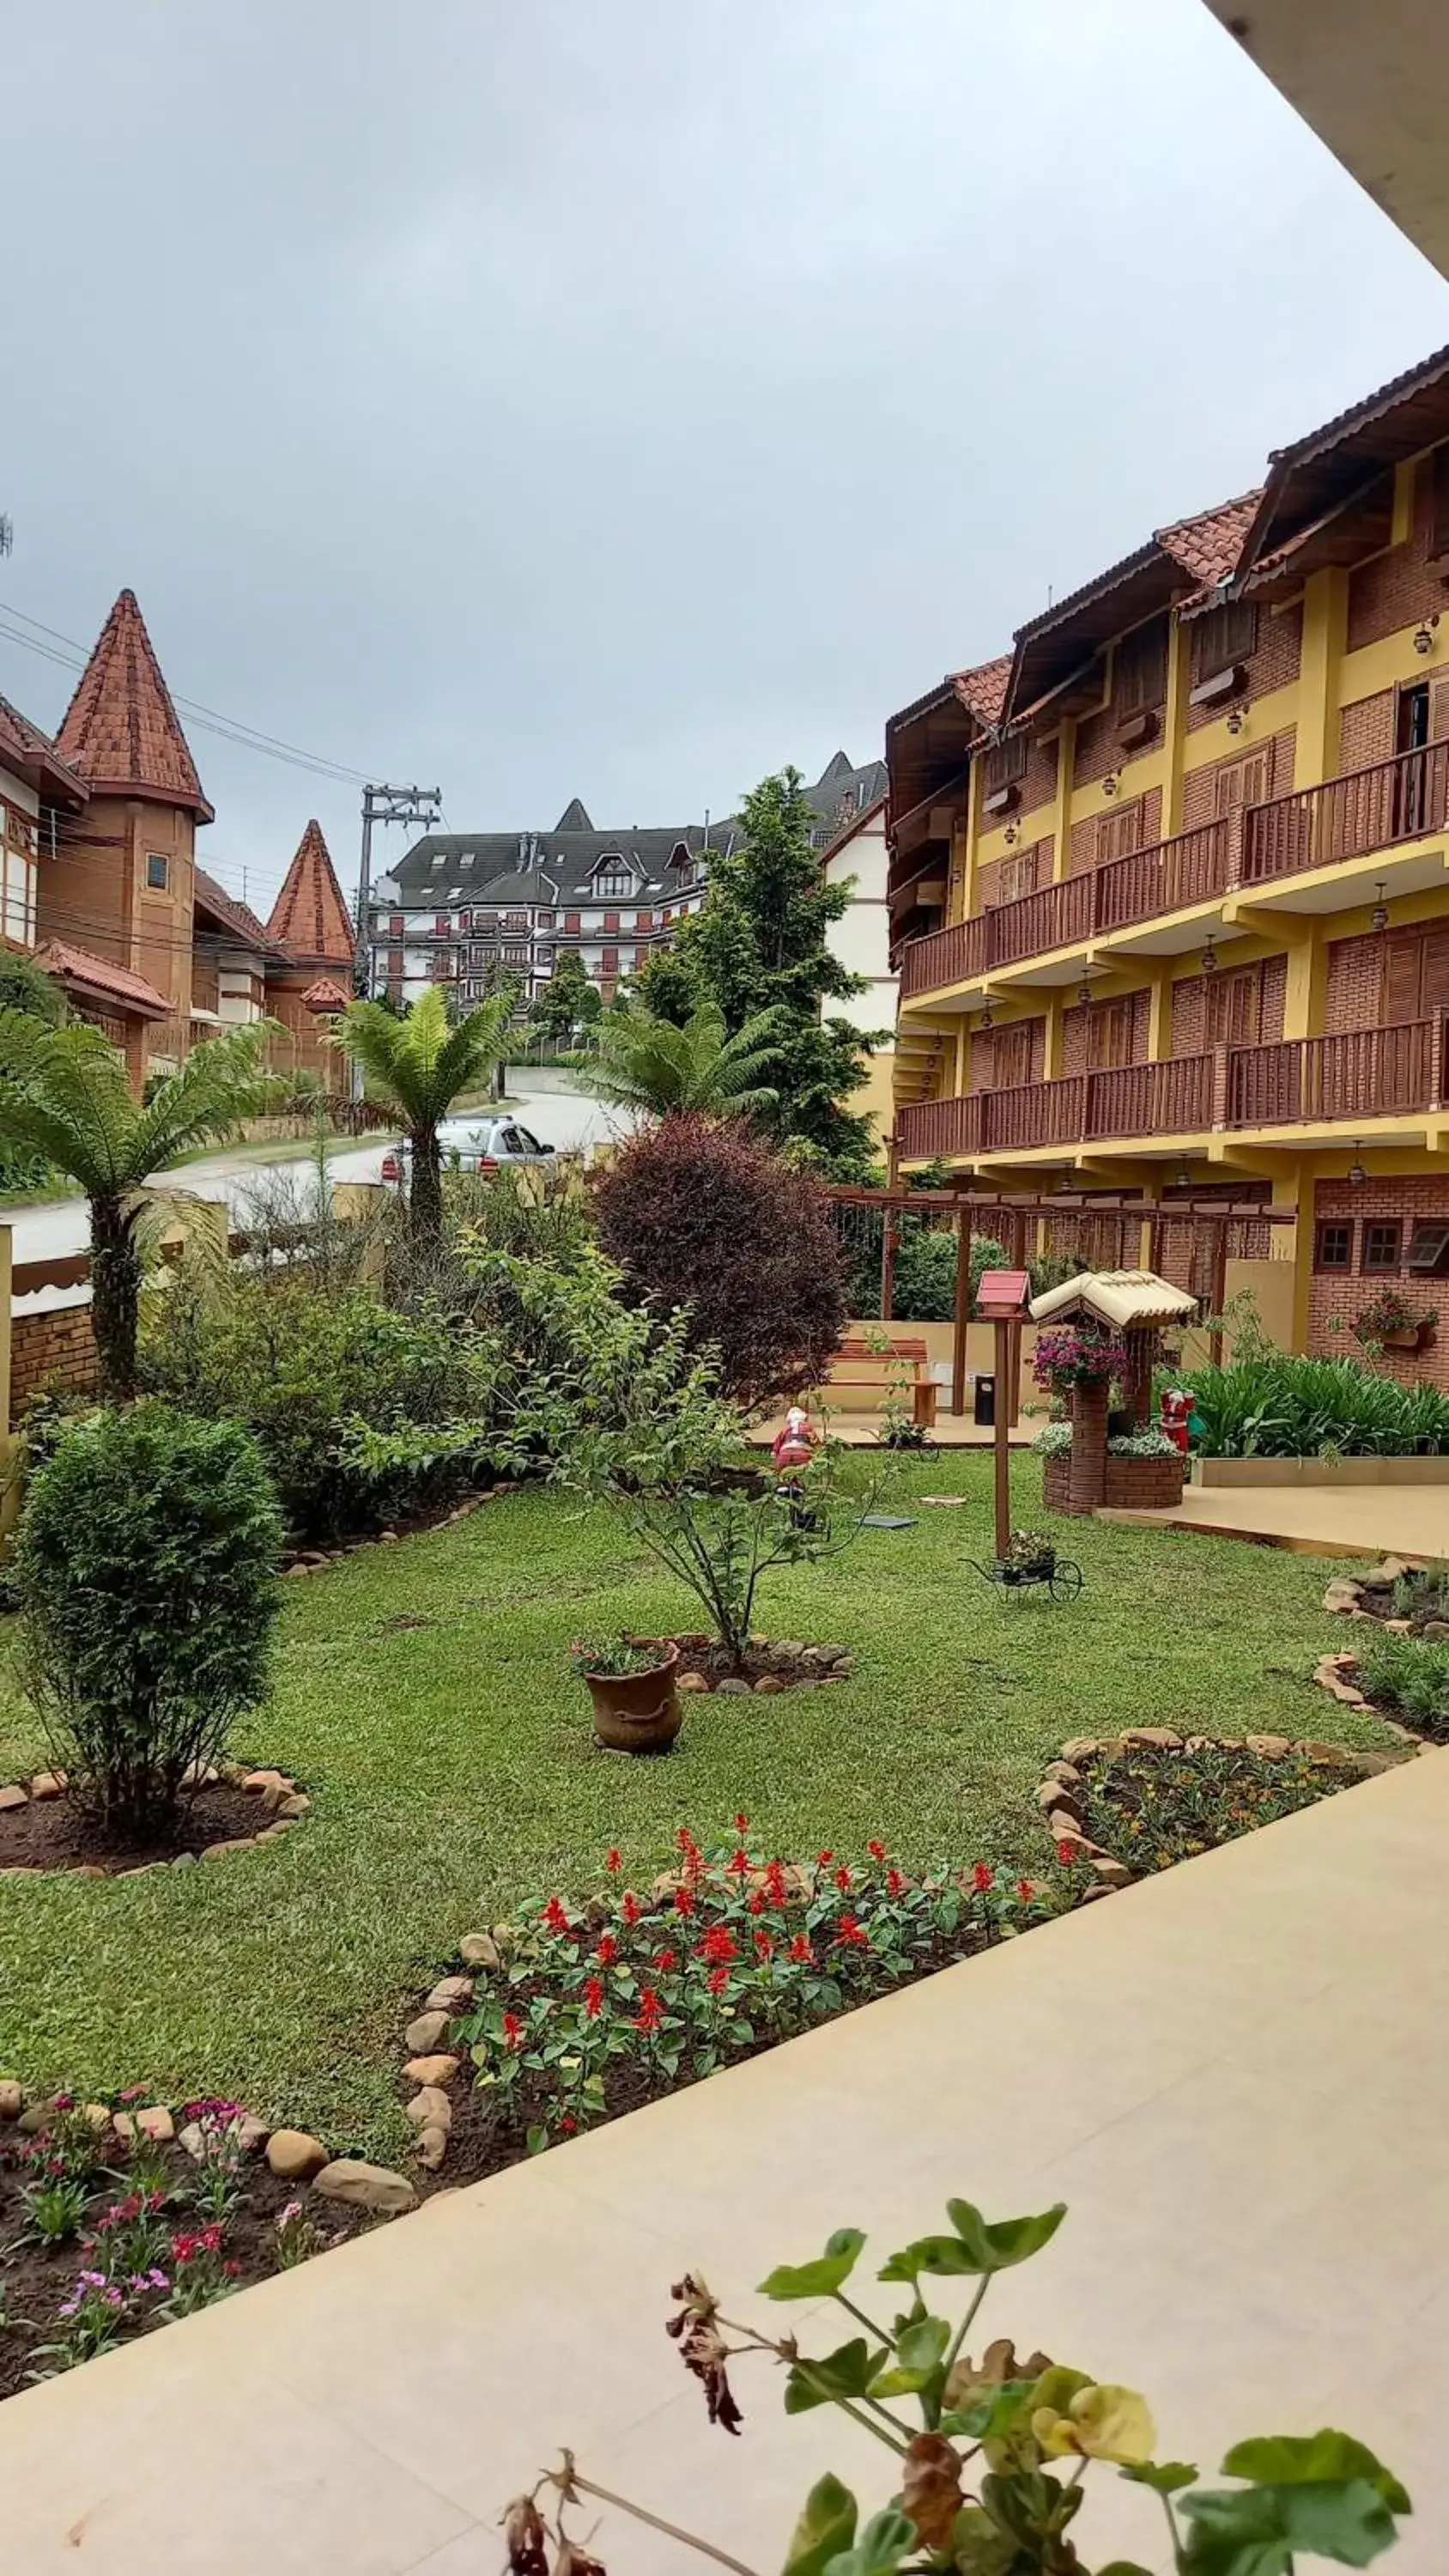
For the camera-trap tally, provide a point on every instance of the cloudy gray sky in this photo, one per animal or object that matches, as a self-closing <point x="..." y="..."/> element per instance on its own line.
<point x="623" y="397"/>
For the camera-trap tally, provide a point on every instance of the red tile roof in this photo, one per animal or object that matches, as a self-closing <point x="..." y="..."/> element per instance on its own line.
<point x="121" y="730"/>
<point x="225" y="910"/>
<point x="1209" y="545"/>
<point x="984" y="689"/>
<point x="95" y="978"/>
<point x="325" y="995"/>
<point x="310" y="913"/>
<point x="30" y="754"/>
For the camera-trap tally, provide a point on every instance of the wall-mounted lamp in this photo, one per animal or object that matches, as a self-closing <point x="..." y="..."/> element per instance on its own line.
<point x="1012" y="835"/>
<point x="1424" y="634"/>
<point x="1112" y="783"/>
<point x="984" y="1022"/>
<point x="1236" y="720"/>
<point x="1184" y="1178"/>
<point x="1379" y="917"/>
<point x="1356" y="1173"/>
<point x="1209" y="957"/>
<point x="1084" y="991"/>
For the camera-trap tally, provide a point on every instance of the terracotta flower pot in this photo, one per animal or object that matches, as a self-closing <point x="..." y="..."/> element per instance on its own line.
<point x="638" y="1712"/>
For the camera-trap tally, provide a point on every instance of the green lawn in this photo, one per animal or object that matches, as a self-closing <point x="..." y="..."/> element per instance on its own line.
<point x="452" y="1770"/>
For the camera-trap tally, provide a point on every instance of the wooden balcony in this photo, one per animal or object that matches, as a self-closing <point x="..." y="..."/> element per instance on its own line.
<point x="1350" y="1080"/>
<point x="1347" y="818"/>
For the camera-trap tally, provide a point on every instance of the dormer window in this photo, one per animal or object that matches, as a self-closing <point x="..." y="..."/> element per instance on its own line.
<point x="613" y="878"/>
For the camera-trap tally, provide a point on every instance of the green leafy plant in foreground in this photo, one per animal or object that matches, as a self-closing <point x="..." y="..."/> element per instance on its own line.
<point x="991" y="2455"/>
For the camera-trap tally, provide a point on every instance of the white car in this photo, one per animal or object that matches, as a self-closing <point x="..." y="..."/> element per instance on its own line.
<point x="472" y="1144"/>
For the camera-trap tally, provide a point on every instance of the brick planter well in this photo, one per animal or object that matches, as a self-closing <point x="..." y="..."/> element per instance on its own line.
<point x="1128" y="1484"/>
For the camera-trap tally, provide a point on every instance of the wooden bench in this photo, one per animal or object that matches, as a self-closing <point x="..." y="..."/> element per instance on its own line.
<point x="884" y="1376"/>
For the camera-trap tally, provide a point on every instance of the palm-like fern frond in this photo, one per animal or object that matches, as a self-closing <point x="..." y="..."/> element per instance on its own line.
<point x="64" y="1094"/>
<point x="649" y="1064"/>
<point x="205" y="1100"/>
<point x="421" y="1063"/>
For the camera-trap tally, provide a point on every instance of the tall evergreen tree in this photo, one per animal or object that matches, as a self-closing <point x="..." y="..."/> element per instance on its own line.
<point x="759" y="944"/>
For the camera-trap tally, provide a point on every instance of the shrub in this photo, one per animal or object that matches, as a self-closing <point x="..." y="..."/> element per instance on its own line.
<point x="360" y="1412"/>
<point x="1410" y="1674"/>
<point x="708" y="1218"/>
<point x="146" y="1562"/>
<point x="1301" y="1408"/>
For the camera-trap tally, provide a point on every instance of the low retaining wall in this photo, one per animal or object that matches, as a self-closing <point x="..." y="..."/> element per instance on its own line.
<point x="1320" y="1471"/>
<point x="53" y="1348"/>
<point x="1132" y="1484"/>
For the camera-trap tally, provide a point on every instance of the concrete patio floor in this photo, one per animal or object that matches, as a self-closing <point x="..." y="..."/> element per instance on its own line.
<point x="1235" y="2076"/>
<point x="1315" y="1520"/>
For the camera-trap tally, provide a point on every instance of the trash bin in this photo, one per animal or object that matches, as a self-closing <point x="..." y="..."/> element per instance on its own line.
<point x="985" y="1407"/>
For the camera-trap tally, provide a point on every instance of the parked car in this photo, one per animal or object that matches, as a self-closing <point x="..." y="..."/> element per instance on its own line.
<point x="472" y="1144"/>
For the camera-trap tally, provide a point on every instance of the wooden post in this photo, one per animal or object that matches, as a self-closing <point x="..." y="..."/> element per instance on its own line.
<point x="1018" y="1262"/>
<point x="11" y="1450"/>
<point x="888" y="1243"/>
<point x="1218" y="1291"/>
<point x="1006" y="1335"/>
<point x="962" y="1312"/>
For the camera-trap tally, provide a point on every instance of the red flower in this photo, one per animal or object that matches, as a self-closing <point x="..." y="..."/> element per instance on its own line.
<point x="800" y="1949"/>
<point x="742" y="1824"/>
<point x="607" y="1951"/>
<point x="824" y="1859"/>
<point x="849" y="1931"/>
<point x="895" y="1884"/>
<point x="1066" y="1854"/>
<point x="650" y="2013"/>
<point x="613" y="1858"/>
<point x="738" y="1864"/>
<point x="233" y="2271"/>
<point x="843" y="1879"/>
<point x="1025" y="1890"/>
<point x="718" y="1980"/>
<point x="631" y="1908"/>
<point x="877" y="1851"/>
<point x="718" y="1944"/>
<point x="764" y="1946"/>
<point x="555" y="1917"/>
<point x="685" y="1840"/>
<point x="758" y="1900"/>
<point x="594" y="1997"/>
<point x="664" y="1960"/>
<point x="512" y="2031"/>
<point x="982" y="1877"/>
<point x="62" y="2102"/>
<point x="567" y="2125"/>
<point x="775" y="1887"/>
<point x="684" y="1901"/>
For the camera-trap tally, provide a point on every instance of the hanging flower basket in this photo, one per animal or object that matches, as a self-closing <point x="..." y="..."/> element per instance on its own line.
<point x="1076" y="1356"/>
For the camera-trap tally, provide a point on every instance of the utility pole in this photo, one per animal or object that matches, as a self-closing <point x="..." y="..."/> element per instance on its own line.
<point x="384" y="804"/>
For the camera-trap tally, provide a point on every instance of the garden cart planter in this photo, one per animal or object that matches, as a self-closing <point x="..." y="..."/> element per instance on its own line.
<point x="638" y="1712"/>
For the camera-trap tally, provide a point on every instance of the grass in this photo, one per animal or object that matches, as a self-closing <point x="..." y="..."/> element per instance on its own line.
<point x="453" y="1774"/>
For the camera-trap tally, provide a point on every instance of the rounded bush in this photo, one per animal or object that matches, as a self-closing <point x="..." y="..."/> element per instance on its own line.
<point x="146" y="1564"/>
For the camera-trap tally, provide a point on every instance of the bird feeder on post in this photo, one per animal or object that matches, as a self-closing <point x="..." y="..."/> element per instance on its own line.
<point x="1001" y="1300"/>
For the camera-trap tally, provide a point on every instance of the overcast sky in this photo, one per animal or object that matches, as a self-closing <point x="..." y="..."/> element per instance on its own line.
<point x="623" y="397"/>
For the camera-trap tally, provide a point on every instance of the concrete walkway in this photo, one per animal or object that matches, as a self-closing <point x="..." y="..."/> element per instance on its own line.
<point x="1235" y="2076"/>
<point x="1316" y="1520"/>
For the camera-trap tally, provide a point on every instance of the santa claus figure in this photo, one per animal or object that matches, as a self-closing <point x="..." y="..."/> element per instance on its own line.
<point x="794" y="1444"/>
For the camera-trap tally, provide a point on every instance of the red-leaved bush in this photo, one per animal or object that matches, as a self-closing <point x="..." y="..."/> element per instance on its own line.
<point x="702" y="1214"/>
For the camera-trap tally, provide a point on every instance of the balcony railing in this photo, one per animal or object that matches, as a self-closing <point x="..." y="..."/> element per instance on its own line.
<point x="1347" y="818"/>
<point x="1352" y="1078"/>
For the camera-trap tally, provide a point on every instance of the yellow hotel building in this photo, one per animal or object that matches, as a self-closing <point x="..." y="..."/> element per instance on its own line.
<point x="1169" y="883"/>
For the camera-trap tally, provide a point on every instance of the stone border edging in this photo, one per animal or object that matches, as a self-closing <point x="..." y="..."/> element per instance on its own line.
<point x="283" y="1805"/>
<point x="1063" y="1814"/>
<point x="291" y="2155"/>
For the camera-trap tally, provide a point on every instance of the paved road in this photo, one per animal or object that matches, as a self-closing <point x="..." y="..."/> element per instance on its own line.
<point x="41" y="1233"/>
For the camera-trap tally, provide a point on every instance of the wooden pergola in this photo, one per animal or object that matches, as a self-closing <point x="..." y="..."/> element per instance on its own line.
<point x="1012" y="1218"/>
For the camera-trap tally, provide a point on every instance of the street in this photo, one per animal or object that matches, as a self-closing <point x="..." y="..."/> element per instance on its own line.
<point x="563" y="1119"/>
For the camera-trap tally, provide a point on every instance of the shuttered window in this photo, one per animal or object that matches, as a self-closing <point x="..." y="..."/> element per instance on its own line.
<point x="1248" y="781"/>
<point x="1016" y="877"/>
<point x="1416" y="974"/>
<point x="1234" y="1014"/>
<point x="1141" y="669"/>
<point x="1011" y="1056"/>
<point x="1120" y="831"/>
<point x="1226" y="635"/>
<point x="1109" y="1035"/>
<point x="1005" y="761"/>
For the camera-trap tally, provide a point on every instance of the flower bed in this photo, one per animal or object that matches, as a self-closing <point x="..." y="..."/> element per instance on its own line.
<point x="770" y="1664"/>
<point x="1414" y="1599"/>
<point x="1405" y="1679"/>
<point x="578" y="2013"/>
<point x="1138" y="1802"/>
<point x="112" y="2224"/>
<point x="43" y="1827"/>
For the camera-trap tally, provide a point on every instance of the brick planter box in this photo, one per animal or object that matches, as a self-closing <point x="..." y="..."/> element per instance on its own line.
<point x="1132" y="1484"/>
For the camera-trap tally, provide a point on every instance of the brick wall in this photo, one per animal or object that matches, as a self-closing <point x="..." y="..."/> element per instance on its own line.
<point x="1097" y="749"/>
<point x="1020" y="872"/>
<point x="1083" y="847"/>
<point x="1396" y="589"/>
<point x="1274" y="665"/>
<point x="1354" y="984"/>
<point x="1190" y="1026"/>
<point x="1339" y="1295"/>
<point x="1366" y="732"/>
<point x="53" y="1349"/>
<point x="1002" y="1058"/>
<point x="1199" y="787"/>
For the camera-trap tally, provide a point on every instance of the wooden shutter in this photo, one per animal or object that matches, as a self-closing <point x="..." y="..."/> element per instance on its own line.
<point x="1225" y="636"/>
<point x="1439" y="706"/>
<point x="1402" y="971"/>
<point x="1120" y="832"/>
<point x="1434" y="969"/>
<point x="1012" y="1063"/>
<point x="1006" y="761"/>
<point x="1235" y="1007"/>
<point x="1248" y="781"/>
<point x="1141" y="669"/>
<point x="1109" y="1035"/>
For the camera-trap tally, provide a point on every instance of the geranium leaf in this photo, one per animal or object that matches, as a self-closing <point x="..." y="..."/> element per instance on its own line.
<point x="846" y="2372"/>
<point x="887" y="2541"/>
<point x="1166" y="2477"/>
<point x="995" y="2245"/>
<point x="820" y="2279"/>
<point x="1288" y="2459"/>
<point x="826" y="2526"/>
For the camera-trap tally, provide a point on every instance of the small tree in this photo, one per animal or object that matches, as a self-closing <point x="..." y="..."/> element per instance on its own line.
<point x="706" y="1218"/>
<point x="562" y="1006"/>
<point x="147" y="1567"/>
<point x="656" y="1067"/>
<point x="421" y="1065"/>
<point x="64" y="1094"/>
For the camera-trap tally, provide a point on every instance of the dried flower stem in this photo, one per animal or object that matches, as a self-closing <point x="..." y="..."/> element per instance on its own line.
<point x="570" y="2485"/>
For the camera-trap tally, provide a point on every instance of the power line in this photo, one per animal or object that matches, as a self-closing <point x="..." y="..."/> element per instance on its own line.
<point x="228" y="728"/>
